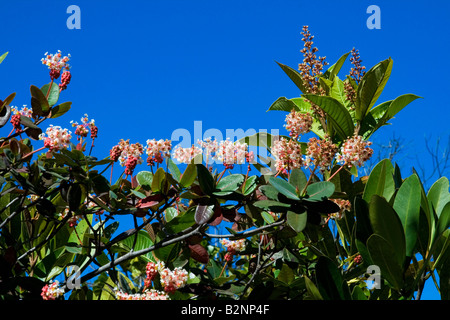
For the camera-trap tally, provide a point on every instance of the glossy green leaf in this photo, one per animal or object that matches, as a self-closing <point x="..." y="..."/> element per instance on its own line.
<point x="443" y="222"/>
<point x="439" y="195"/>
<point x="383" y="255"/>
<point x="320" y="190"/>
<point x="60" y="109"/>
<point x="3" y="56"/>
<point x="271" y="205"/>
<point x="189" y="175"/>
<point x="333" y="70"/>
<point x="371" y="86"/>
<point x="407" y="206"/>
<point x="284" y="187"/>
<point x="381" y="181"/>
<point x="312" y="289"/>
<point x="250" y="185"/>
<point x="342" y="120"/>
<point x="386" y="223"/>
<point x="330" y="281"/>
<point x="295" y="76"/>
<point x="230" y="182"/>
<point x="53" y="95"/>
<point x="297" y="221"/>
<point x="173" y="169"/>
<point x="398" y="104"/>
<point x="145" y="178"/>
<point x="158" y="180"/>
<point x="39" y="98"/>
<point x="205" y="179"/>
<point x="298" y="179"/>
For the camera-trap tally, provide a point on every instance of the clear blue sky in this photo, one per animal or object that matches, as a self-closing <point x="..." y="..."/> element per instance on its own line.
<point x="143" y="69"/>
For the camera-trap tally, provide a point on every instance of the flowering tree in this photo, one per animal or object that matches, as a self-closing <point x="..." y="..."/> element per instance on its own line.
<point x="307" y="226"/>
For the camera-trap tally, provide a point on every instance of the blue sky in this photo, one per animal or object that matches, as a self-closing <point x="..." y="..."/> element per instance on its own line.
<point x="143" y="69"/>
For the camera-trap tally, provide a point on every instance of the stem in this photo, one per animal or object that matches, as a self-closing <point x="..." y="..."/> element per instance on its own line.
<point x="332" y="176"/>
<point x="309" y="179"/>
<point x="29" y="154"/>
<point x="49" y="88"/>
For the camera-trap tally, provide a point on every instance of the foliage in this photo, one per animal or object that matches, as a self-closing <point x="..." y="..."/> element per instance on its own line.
<point x="290" y="235"/>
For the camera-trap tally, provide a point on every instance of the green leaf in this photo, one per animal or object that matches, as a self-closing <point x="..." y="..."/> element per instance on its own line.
<point x="335" y="68"/>
<point x="145" y="178"/>
<point x="284" y="187"/>
<point x="54" y="93"/>
<point x="297" y="221"/>
<point x="438" y="195"/>
<point x="74" y="196"/>
<point x="271" y="205"/>
<point x="371" y="86"/>
<point x="341" y="118"/>
<point x="320" y="190"/>
<point x="173" y="169"/>
<point x="39" y="100"/>
<point x="60" y="109"/>
<point x="386" y="223"/>
<point x="312" y="289"/>
<point x="443" y="221"/>
<point x="381" y="181"/>
<point x="158" y="179"/>
<point x="189" y="175"/>
<point x="407" y="206"/>
<point x="332" y="285"/>
<point x="205" y="179"/>
<point x="384" y="255"/>
<point x="297" y="178"/>
<point x="3" y="56"/>
<point x="398" y="104"/>
<point x="338" y="91"/>
<point x="230" y="182"/>
<point x="25" y="121"/>
<point x="250" y="185"/>
<point x="294" y="76"/>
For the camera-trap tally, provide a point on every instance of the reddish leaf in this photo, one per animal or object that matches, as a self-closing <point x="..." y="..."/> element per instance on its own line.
<point x="149" y="201"/>
<point x="217" y="217"/>
<point x="199" y="253"/>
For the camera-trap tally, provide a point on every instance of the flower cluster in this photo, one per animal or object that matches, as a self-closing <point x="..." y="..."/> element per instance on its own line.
<point x="354" y="152"/>
<point x="357" y="71"/>
<point x="57" y="138"/>
<point x="146" y="295"/>
<point x="82" y="129"/>
<point x="157" y="150"/>
<point x="298" y="123"/>
<point x="226" y="152"/>
<point x="210" y="147"/>
<point x="129" y="155"/>
<point x="52" y="291"/>
<point x="230" y="153"/>
<point x="171" y="280"/>
<point x="186" y="155"/>
<point x="65" y="80"/>
<point x="344" y="205"/>
<point x="151" y="271"/>
<point x="56" y="62"/>
<point x="232" y="248"/>
<point x="312" y="66"/>
<point x="288" y="155"/>
<point x="16" y="114"/>
<point x="320" y="153"/>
